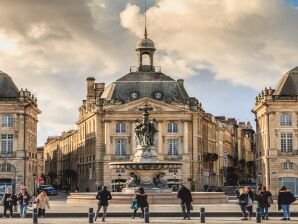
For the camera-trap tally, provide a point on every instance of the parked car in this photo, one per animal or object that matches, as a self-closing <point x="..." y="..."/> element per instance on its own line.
<point x="50" y="190"/>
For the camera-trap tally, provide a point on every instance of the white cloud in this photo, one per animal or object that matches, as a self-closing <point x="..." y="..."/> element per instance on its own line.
<point x="246" y="42"/>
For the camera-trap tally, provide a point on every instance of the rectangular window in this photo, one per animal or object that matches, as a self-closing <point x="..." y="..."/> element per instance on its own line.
<point x="286" y="142"/>
<point x="6" y="144"/>
<point x="7" y="121"/>
<point x="173" y="146"/>
<point x="285" y="120"/>
<point x="6" y="168"/>
<point x="288" y="166"/>
<point x="120" y="127"/>
<point x="120" y="147"/>
<point x="172" y="127"/>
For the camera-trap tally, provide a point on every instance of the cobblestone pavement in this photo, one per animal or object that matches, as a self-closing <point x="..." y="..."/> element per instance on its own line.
<point x="128" y="221"/>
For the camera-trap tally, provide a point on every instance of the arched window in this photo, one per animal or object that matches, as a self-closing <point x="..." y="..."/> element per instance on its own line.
<point x="146" y="59"/>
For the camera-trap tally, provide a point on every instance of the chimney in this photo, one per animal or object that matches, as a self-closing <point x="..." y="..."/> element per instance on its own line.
<point x="99" y="87"/>
<point x="90" y="87"/>
<point x="180" y="82"/>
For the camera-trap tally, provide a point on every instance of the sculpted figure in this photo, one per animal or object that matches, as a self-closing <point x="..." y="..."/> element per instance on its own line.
<point x="134" y="180"/>
<point x="160" y="181"/>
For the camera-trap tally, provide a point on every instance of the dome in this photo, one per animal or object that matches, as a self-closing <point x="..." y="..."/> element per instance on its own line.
<point x="145" y="43"/>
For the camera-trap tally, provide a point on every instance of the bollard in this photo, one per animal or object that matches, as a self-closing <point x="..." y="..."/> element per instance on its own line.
<point x="202" y="215"/>
<point x="258" y="215"/>
<point x="146" y="215"/>
<point x="90" y="215"/>
<point x="35" y="216"/>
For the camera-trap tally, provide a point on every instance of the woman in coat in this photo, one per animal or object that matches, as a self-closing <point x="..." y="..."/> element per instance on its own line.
<point x="23" y="199"/>
<point x="42" y="201"/>
<point x="250" y="202"/>
<point x="285" y="198"/>
<point x="264" y="199"/>
<point x="142" y="202"/>
<point x="243" y="202"/>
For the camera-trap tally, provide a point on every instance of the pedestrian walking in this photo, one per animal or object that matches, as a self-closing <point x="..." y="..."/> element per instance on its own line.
<point x="23" y="199"/>
<point x="250" y="201"/>
<point x="186" y="199"/>
<point x="243" y="202"/>
<point x="285" y="199"/>
<point x="141" y="198"/>
<point x="8" y="201"/>
<point x="264" y="199"/>
<point x="103" y="196"/>
<point x="42" y="203"/>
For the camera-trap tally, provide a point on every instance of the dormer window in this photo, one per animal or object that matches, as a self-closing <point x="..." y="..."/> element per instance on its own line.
<point x="158" y="95"/>
<point x="134" y="95"/>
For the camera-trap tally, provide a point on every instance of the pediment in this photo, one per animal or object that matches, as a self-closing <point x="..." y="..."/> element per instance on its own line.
<point x="157" y="106"/>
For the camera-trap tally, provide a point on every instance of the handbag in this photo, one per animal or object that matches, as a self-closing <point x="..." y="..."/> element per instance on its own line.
<point x="134" y="204"/>
<point x="190" y="207"/>
<point x="270" y="200"/>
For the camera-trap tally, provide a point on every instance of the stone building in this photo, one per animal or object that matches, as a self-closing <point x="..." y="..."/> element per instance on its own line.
<point x="18" y="130"/>
<point x="276" y="112"/>
<point x="109" y="114"/>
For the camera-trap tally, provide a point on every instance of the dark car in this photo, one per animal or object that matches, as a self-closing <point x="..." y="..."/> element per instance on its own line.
<point x="50" y="191"/>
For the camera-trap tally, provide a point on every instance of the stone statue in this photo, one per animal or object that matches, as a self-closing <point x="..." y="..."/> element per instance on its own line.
<point x="146" y="129"/>
<point x="134" y="180"/>
<point x="160" y="181"/>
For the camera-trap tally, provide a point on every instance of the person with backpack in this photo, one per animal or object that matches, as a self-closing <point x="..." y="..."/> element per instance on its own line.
<point x="103" y="196"/>
<point x="8" y="201"/>
<point x="285" y="199"/>
<point x="264" y="199"/>
<point x="186" y="199"/>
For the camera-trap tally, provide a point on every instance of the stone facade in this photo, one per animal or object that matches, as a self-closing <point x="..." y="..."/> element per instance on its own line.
<point x="109" y="114"/>
<point x="276" y="112"/>
<point x="18" y="131"/>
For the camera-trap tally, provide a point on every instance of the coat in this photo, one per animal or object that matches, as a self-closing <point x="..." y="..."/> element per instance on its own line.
<point x="103" y="197"/>
<point x="9" y="199"/>
<point x="263" y="199"/>
<point x="285" y="198"/>
<point x="24" y="199"/>
<point x="243" y="199"/>
<point x="185" y="196"/>
<point x="142" y="200"/>
<point x="42" y="203"/>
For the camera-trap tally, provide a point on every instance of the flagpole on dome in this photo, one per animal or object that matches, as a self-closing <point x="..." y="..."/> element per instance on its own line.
<point x="145" y="34"/>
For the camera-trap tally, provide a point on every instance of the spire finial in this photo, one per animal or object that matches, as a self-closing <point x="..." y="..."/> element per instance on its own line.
<point x="145" y="34"/>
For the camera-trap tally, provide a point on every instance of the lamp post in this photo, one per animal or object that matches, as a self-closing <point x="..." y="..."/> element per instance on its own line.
<point x="34" y="175"/>
<point x="174" y="186"/>
<point x="119" y="182"/>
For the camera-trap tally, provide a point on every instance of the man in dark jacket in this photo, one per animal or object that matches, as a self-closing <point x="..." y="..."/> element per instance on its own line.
<point x="103" y="196"/>
<point x="285" y="198"/>
<point x="185" y="196"/>
<point x="9" y="199"/>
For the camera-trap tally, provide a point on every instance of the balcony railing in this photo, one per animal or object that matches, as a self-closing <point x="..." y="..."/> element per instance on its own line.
<point x="120" y="157"/>
<point x="8" y="155"/>
<point x="173" y="157"/>
<point x="294" y="152"/>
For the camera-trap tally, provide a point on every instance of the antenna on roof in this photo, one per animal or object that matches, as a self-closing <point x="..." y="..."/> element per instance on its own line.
<point x="145" y="34"/>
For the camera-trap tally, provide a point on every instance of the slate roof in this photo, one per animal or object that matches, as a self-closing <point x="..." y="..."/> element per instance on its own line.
<point x="7" y="87"/>
<point x="145" y="84"/>
<point x="288" y="84"/>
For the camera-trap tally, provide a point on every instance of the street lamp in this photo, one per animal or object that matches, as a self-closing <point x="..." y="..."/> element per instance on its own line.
<point x="119" y="181"/>
<point x="34" y="175"/>
<point x="174" y="186"/>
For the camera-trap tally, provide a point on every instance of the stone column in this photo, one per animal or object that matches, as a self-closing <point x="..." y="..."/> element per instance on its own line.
<point x="185" y="137"/>
<point x="133" y="139"/>
<point x="107" y="138"/>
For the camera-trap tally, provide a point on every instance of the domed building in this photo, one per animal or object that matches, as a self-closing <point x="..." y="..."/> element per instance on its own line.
<point x="108" y="116"/>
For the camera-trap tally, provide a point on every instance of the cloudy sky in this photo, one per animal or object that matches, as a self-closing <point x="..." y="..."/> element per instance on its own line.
<point x="226" y="50"/>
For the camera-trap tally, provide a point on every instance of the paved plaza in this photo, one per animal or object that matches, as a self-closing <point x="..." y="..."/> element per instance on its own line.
<point x="129" y="220"/>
